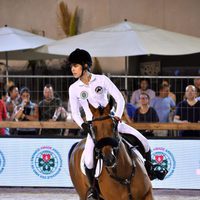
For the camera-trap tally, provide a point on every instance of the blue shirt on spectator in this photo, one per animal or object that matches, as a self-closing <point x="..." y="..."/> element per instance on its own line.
<point x="130" y="110"/>
<point x="162" y="107"/>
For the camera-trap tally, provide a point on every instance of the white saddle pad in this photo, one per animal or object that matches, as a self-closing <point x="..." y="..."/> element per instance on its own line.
<point x="98" y="167"/>
<point x="139" y="155"/>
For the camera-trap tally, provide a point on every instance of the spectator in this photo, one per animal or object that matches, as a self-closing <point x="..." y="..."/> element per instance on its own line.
<point x="4" y="96"/>
<point x="3" y="114"/>
<point x="145" y="113"/>
<point x="144" y="88"/>
<point x="197" y="86"/>
<point x="12" y="101"/>
<point x="163" y="104"/>
<point x="171" y="94"/>
<point x="26" y="111"/>
<point x="50" y="109"/>
<point x="129" y="108"/>
<point x="188" y="111"/>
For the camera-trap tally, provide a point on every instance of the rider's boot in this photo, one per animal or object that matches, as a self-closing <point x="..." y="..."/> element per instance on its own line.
<point x="92" y="193"/>
<point x="154" y="171"/>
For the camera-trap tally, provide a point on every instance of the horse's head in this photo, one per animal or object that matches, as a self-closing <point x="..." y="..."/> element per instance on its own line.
<point x="105" y="135"/>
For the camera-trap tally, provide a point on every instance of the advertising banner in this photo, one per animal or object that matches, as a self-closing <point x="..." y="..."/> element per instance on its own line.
<point x="42" y="162"/>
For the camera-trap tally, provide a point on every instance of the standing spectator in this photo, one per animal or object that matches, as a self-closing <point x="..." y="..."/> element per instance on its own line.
<point x="26" y="111"/>
<point x="163" y="104"/>
<point x="188" y="111"/>
<point x="3" y="114"/>
<point x="145" y="113"/>
<point x="171" y="94"/>
<point x="144" y="88"/>
<point x="50" y="109"/>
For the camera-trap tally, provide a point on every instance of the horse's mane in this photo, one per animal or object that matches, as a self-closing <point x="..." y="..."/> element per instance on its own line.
<point x="111" y="103"/>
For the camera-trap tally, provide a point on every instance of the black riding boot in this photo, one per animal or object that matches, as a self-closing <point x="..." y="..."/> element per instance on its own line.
<point x="154" y="171"/>
<point x="92" y="193"/>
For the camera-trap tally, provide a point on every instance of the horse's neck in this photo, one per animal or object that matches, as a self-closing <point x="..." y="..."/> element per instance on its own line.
<point x="124" y="161"/>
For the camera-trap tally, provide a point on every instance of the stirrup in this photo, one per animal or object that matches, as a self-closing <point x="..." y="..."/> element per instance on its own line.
<point x="158" y="173"/>
<point x="92" y="194"/>
<point x="161" y="174"/>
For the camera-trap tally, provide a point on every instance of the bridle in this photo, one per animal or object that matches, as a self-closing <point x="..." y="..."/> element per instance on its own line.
<point x="106" y="141"/>
<point x="115" y="143"/>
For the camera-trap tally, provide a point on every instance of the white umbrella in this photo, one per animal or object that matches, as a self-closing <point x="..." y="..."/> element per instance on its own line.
<point x="126" y="39"/>
<point x="16" y="44"/>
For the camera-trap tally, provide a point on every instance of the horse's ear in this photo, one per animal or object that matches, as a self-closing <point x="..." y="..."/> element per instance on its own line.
<point x="111" y="102"/>
<point x="92" y="108"/>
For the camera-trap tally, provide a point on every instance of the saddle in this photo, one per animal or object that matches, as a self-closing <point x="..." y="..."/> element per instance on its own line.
<point x="134" y="143"/>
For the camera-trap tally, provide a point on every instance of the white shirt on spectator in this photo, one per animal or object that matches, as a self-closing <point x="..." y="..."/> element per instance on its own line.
<point x="136" y="96"/>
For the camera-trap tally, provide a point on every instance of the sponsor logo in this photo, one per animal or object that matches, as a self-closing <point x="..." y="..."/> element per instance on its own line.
<point x="164" y="158"/>
<point x="2" y="162"/>
<point x="84" y="95"/>
<point x="46" y="162"/>
<point x="99" y="90"/>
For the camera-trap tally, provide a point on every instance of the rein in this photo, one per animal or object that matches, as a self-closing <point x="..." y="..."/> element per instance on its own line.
<point x="114" y="143"/>
<point x="102" y="118"/>
<point x="125" y="181"/>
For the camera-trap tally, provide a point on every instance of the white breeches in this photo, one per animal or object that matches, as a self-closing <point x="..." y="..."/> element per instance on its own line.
<point x="122" y="128"/>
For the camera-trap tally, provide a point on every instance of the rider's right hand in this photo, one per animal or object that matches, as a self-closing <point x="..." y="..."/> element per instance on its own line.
<point x="86" y="127"/>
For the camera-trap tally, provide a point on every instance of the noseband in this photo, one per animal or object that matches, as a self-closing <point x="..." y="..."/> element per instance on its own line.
<point x="106" y="141"/>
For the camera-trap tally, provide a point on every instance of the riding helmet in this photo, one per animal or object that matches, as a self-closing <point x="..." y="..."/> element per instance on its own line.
<point x="80" y="56"/>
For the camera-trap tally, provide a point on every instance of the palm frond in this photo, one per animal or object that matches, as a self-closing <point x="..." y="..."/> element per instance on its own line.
<point x="64" y="17"/>
<point x="73" y="23"/>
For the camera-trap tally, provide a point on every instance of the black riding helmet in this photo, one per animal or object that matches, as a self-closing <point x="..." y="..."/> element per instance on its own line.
<point x="82" y="57"/>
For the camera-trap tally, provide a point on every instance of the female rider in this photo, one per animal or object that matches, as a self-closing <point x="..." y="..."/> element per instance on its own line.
<point x="95" y="89"/>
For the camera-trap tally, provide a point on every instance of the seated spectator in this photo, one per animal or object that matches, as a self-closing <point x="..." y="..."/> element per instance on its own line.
<point x="3" y="114"/>
<point x="129" y="108"/>
<point x="12" y="101"/>
<point x="26" y="111"/>
<point x="163" y="104"/>
<point x="144" y="88"/>
<point x="171" y="94"/>
<point x="145" y="113"/>
<point x="197" y="86"/>
<point x="188" y="111"/>
<point x="50" y="109"/>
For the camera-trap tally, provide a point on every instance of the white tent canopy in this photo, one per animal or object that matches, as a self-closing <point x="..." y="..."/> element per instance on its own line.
<point x="18" y="45"/>
<point x="126" y="39"/>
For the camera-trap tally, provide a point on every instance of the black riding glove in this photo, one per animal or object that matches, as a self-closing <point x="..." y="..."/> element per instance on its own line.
<point x="116" y="122"/>
<point x="86" y="127"/>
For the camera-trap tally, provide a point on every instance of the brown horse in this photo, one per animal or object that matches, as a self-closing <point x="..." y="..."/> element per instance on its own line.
<point x="123" y="175"/>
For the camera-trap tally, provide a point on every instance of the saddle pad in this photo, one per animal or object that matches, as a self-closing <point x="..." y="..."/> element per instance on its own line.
<point x="138" y="154"/>
<point x="98" y="167"/>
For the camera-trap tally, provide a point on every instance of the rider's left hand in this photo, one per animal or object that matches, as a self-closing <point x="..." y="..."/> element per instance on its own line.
<point x="117" y="119"/>
<point x="85" y="127"/>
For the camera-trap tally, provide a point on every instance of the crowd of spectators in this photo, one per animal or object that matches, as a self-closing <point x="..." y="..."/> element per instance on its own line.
<point x="166" y="108"/>
<point x="143" y="105"/>
<point x="17" y="105"/>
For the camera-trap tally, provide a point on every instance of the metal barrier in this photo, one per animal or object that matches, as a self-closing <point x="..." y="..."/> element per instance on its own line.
<point x="130" y="83"/>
